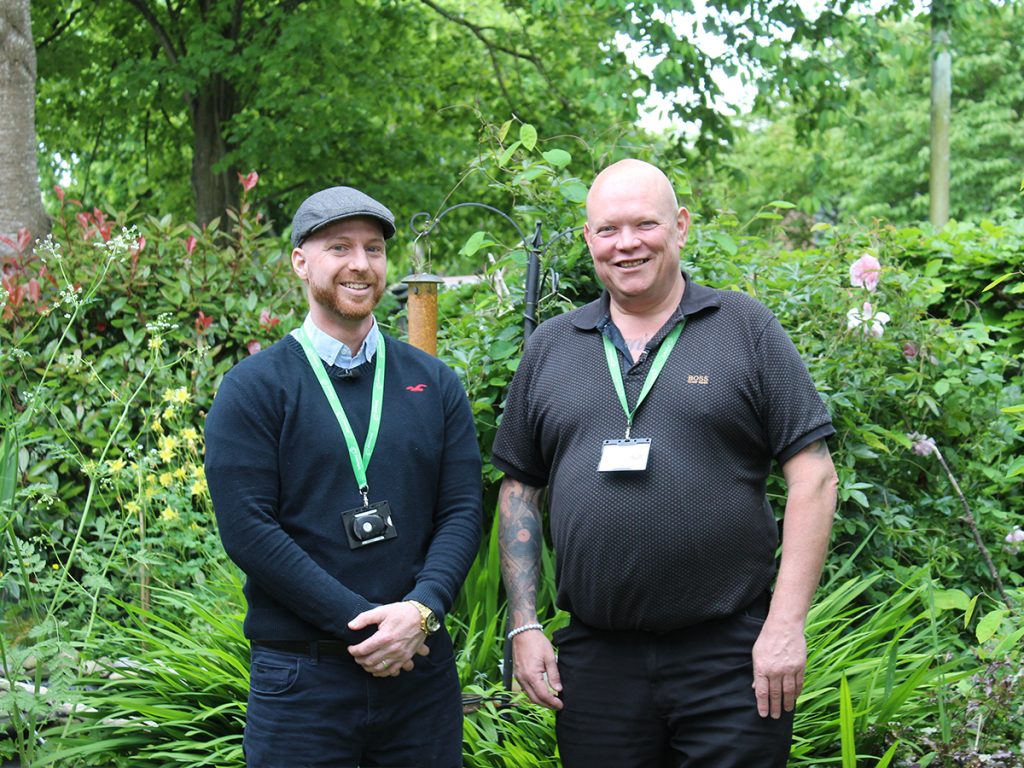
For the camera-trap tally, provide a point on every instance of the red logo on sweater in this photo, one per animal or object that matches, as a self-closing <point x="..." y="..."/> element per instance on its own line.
<point x="417" y="388"/>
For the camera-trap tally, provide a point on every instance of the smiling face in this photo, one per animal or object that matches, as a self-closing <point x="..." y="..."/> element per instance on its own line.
<point x="344" y="265"/>
<point x="635" y="232"/>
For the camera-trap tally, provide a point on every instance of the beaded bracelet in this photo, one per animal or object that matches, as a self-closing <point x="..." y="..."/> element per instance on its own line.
<point x="524" y="628"/>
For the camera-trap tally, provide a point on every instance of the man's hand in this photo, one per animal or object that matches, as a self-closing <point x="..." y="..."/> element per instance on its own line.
<point x="390" y="650"/>
<point x="535" y="668"/>
<point x="780" y="657"/>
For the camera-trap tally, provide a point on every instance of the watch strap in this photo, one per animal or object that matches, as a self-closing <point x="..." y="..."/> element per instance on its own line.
<point x="429" y="623"/>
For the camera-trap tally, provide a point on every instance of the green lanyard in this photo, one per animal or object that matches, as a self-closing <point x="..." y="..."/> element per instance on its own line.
<point x="360" y="461"/>
<point x="652" y="375"/>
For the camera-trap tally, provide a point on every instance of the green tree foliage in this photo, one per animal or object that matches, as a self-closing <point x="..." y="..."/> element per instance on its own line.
<point x="871" y="159"/>
<point x="378" y="94"/>
<point x="137" y="96"/>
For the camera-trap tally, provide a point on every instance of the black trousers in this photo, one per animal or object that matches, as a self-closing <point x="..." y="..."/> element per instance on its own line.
<point x="681" y="699"/>
<point x="321" y="710"/>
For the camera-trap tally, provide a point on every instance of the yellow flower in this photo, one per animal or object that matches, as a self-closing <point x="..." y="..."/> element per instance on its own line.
<point x="200" y="472"/>
<point x="156" y="343"/>
<point x="167" y="444"/>
<point x="151" y="479"/>
<point x="180" y="473"/>
<point x="166" y="479"/>
<point x="56" y="566"/>
<point x="168" y="515"/>
<point x="179" y="395"/>
<point x="199" y="487"/>
<point x="168" y="413"/>
<point x="190" y="434"/>
<point x="157" y="425"/>
<point x="115" y="466"/>
<point x="149" y="493"/>
<point x="132" y="508"/>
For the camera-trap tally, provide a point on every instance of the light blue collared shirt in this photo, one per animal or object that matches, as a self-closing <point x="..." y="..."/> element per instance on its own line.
<point x="336" y="353"/>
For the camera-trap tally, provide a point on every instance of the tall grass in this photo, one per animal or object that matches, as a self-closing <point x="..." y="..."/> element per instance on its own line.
<point x="870" y="665"/>
<point x="173" y="688"/>
<point x="179" y="680"/>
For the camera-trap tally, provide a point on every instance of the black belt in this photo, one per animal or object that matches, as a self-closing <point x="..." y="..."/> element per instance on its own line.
<point x="306" y="647"/>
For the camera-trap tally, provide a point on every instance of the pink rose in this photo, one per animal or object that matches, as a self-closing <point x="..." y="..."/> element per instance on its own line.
<point x="864" y="272"/>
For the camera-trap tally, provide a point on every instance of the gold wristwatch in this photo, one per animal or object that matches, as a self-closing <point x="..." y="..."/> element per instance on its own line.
<point x="429" y="623"/>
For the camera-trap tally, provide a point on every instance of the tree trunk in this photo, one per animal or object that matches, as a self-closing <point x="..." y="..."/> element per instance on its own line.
<point x="942" y="90"/>
<point x="215" y="190"/>
<point x="21" y="204"/>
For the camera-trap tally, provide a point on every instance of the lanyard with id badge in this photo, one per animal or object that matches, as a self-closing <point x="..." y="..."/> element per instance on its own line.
<point x="369" y="523"/>
<point x="631" y="453"/>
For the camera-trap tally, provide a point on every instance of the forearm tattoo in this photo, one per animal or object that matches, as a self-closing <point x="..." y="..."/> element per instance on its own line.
<point x="521" y="539"/>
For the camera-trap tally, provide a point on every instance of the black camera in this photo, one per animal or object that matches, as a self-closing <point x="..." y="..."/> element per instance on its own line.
<point x="368" y="525"/>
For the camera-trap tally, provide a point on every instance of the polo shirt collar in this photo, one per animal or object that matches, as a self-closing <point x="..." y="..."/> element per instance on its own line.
<point x="336" y="353"/>
<point x="696" y="298"/>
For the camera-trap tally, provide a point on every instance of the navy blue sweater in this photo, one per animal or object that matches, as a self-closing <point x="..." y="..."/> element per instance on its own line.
<point x="280" y="478"/>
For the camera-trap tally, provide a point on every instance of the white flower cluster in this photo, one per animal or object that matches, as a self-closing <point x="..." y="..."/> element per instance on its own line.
<point x="120" y="245"/>
<point x="48" y="247"/>
<point x="69" y="298"/>
<point x="162" y="323"/>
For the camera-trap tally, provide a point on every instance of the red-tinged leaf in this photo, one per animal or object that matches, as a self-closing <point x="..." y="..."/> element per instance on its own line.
<point x="250" y="181"/>
<point x="202" y="322"/>
<point x="190" y="244"/>
<point x="35" y="291"/>
<point x="24" y="238"/>
<point x="59" y="191"/>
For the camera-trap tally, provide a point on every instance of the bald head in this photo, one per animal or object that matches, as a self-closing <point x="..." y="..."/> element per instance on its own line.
<point x="635" y="231"/>
<point x="628" y="176"/>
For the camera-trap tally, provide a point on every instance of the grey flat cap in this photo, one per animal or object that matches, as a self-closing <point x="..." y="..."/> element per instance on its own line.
<point x="336" y="203"/>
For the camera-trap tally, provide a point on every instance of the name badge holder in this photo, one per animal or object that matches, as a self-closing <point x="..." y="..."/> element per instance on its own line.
<point x="631" y="454"/>
<point x="370" y="523"/>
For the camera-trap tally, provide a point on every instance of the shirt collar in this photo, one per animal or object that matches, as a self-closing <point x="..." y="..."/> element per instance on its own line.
<point x="696" y="298"/>
<point x="337" y="353"/>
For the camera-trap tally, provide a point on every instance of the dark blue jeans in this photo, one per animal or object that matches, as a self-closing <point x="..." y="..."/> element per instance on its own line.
<point x="679" y="699"/>
<point x="324" y="711"/>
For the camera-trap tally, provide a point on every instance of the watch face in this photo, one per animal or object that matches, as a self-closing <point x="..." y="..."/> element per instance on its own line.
<point x="432" y="623"/>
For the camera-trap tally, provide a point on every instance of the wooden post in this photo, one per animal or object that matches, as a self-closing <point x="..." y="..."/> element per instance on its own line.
<point x="422" y="307"/>
<point x="942" y="89"/>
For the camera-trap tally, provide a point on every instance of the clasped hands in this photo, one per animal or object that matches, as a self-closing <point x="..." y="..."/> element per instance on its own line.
<point x="398" y="640"/>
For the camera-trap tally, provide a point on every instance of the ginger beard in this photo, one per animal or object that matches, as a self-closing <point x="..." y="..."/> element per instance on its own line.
<point x="344" y="302"/>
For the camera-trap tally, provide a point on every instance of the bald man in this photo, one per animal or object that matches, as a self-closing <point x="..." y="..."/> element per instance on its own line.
<point x="652" y="417"/>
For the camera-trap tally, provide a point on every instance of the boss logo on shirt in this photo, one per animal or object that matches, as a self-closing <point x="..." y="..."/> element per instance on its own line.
<point x="696" y="379"/>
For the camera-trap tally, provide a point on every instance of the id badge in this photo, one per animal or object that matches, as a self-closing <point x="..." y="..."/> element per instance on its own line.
<point x="368" y="525"/>
<point x="625" y="455"/>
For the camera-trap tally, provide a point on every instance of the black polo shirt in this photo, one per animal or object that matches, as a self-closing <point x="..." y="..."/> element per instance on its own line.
<point x="693" y="537"/>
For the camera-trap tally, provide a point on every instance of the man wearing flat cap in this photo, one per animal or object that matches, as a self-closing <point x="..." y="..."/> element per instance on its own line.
<point x="345" y="475"/>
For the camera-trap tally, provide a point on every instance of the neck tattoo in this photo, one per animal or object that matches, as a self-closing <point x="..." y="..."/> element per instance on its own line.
<point x="637" y="346"/>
